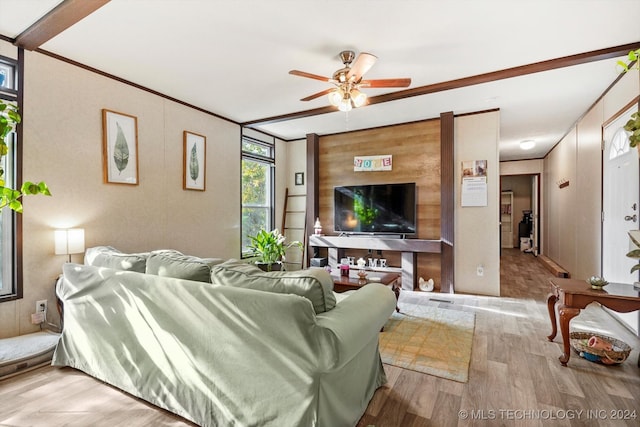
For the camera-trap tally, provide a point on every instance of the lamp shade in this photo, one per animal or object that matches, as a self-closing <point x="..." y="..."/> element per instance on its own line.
<point x="359" y="98"/>
<point x="335" y="97"/>
<point x="69" y="241"/>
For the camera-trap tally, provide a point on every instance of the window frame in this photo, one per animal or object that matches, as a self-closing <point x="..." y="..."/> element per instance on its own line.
<point x="269" y="160"/>
<point x="14" y="243"/>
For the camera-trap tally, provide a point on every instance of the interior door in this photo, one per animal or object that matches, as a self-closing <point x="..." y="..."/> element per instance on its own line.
<point x="620" y="206"/>
<point x="535" y="211"/>
<point x="620" y="201"/>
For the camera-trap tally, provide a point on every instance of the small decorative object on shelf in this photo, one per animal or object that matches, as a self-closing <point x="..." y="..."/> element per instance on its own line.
<point x="344" y="267"/>
<point x="597" y="282"/>
<point x="362" y="263"/>
<point x="317" y="227"/>
<point x="362" y="277"/>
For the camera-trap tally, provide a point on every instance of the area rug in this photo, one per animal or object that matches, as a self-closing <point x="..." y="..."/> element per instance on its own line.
<point x="428" y="339"/>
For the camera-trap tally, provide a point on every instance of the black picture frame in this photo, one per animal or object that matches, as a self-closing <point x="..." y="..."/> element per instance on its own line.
<point x="299" y="178"/>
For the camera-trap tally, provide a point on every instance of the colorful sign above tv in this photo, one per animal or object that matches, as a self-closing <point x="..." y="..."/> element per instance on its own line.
<point x="372" y="163"/>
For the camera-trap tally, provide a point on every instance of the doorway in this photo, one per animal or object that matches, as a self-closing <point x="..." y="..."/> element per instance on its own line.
<point x="520" y="212"/>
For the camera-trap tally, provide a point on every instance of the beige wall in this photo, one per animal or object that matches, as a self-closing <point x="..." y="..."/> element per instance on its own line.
<point x="522" y="167"/>
<point x="63" y="146"/>
<point x="477" y="228"/>
<point x="573" y="214"/>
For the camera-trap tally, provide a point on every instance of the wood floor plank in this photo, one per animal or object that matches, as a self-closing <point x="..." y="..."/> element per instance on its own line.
<point x="445" y="405"/>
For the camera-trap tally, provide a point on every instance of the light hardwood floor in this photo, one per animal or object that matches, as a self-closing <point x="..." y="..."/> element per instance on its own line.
<point x="515" y="378"/>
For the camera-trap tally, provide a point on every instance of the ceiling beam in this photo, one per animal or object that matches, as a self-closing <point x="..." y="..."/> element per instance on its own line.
<point x="537" y="67"/>
<point x="63" y="16"/>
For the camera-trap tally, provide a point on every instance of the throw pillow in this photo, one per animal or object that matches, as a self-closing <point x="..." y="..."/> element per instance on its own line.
<point x="179" y="266"/>
<point x="107" y="256"/>
<point x="316" y="284"/>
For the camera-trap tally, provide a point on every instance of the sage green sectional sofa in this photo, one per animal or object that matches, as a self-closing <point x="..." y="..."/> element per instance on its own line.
<point x="239" y="348"/>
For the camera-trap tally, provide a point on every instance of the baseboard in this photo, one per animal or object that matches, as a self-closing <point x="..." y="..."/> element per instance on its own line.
<point x="553" y="267"/>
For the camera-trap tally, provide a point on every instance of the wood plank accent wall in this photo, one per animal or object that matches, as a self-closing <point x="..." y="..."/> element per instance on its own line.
<point x="415" y="148"/>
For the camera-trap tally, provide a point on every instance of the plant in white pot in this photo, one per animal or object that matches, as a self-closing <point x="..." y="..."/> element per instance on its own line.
<point x="269" y="248"/>
<point x="10" y="197"/>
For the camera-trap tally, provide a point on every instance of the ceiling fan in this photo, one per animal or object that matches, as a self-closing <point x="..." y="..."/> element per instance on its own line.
<point x="348" y="80"/>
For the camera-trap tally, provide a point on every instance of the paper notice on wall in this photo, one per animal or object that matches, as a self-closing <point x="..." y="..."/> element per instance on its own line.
<point x="474" y="183"/>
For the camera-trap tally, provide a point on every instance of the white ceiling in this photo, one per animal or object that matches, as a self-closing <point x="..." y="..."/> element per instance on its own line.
<point x="232" y="57"/>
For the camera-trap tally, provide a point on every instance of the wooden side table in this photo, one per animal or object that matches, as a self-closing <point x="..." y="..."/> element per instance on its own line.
<point x="572" y="295"/>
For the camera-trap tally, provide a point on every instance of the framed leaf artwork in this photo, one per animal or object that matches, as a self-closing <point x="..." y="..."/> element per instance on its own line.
<point x="119" y="148"/>
<point x="194" y="153"/>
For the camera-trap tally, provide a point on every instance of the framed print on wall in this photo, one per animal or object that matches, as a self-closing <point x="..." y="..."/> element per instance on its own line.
<point x="119" y="148"/>
<point x="194" y="153"/>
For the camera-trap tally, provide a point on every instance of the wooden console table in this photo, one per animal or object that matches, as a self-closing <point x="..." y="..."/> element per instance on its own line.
<point x="573" y="295"/>
<point x="408" y="247"/>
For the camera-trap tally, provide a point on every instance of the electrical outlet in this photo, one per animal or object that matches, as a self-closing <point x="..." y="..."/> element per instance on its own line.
<point x="41" y="307"/>
<point x="480" y="270"/>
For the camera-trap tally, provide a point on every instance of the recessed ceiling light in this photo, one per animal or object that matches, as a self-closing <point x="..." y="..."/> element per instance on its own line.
<point x="527" y="144"/>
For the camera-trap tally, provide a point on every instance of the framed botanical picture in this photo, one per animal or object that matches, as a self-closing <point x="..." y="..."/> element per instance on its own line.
<point x="119" y="148"/>
<point x="194" y="153"/>
<point x="299" y="178"/>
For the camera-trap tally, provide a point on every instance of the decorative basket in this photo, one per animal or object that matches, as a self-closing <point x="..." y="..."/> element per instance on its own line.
<point x="618" y="355"/>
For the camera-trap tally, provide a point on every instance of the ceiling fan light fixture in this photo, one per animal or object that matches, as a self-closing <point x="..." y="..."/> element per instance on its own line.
<point x="335" y="97"/>
<point x="359" y="98"/>
<point x="527" y="144"/>
<point x="345" y="104"/>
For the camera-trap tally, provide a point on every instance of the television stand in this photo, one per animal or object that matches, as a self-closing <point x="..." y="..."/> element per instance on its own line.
<point x="409" y="249"/>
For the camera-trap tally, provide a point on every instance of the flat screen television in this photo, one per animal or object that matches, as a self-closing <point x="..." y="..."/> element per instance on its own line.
<point x="375" y="209"/>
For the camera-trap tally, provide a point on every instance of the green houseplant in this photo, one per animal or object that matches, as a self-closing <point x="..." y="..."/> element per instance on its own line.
<point x="633" y="125"/>
<point x="10" y="197"/>
<point x="269" y="248"/>
<point x="635" y="253"/>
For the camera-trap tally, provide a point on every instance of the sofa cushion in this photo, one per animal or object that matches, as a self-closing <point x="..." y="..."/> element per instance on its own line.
<point x="107" y="256"/>
<point x="175" y="264"/>
<point x="315" y="284"/>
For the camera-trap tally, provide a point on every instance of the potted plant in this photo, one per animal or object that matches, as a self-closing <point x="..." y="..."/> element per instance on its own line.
<point x="269" y="248"/>
<point x="633" y="125"/>
<point x="10" y="197"/>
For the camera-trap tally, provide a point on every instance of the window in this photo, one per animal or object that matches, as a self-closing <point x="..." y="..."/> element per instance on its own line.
<point x="619" y="144"/>
<point x="258" y="161"/>
<point x="10" y="229"/>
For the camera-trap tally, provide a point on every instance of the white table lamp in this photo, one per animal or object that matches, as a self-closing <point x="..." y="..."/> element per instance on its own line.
<point x="69" y="241"/>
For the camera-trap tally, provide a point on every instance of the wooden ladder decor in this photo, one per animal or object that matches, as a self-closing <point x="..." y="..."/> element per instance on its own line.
<point x="294" y="223"/>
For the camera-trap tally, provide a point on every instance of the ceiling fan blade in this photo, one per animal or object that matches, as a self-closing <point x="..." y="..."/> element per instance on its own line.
<point x="309" y="75"/>
<point x="363" y="63"/>
<point x="404" y="82"/>
<point x="318" y="95"/>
